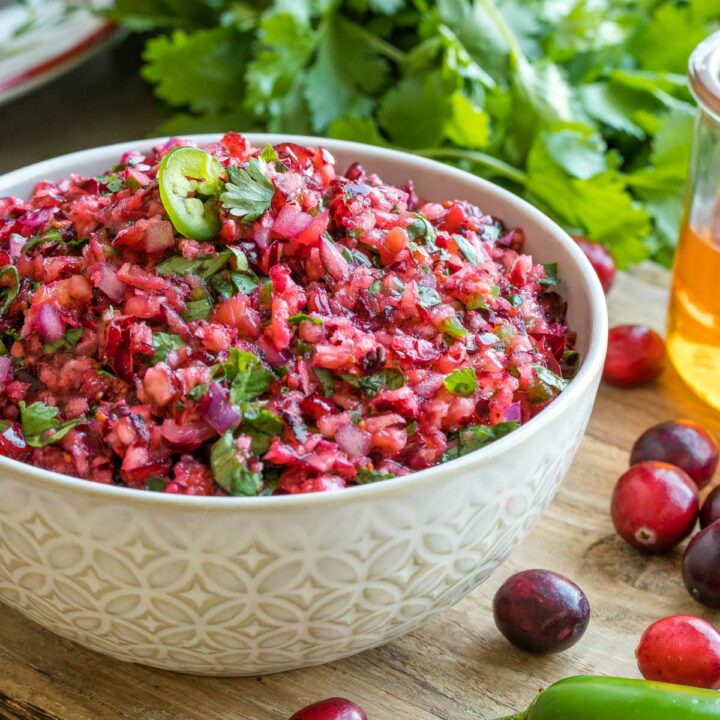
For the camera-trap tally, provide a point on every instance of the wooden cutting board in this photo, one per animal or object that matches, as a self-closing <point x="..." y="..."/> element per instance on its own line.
<point x="457" y="667"/>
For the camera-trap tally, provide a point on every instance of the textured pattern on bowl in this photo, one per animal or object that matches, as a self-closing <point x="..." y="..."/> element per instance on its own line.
<point x="250" y="586"/>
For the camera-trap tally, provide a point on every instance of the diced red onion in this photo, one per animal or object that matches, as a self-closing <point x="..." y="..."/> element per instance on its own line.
<point x="5" y="365"/>
<point x="217" y="411"/>
<point x="105" y="278"/>
<point x="354" y="441"/>
<point x="333" y="261"/>
<point x="430" y="385"/>
<point x="513" y="413"/>
<point x="291" y="221"/>
<point x="50" y="323"/>
<point x="15" y="245"/>
<point x="275" y="357"/>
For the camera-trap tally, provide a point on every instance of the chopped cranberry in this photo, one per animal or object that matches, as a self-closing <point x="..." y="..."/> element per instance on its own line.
<point x="680" y="442"/>
<point x="701" y="566"/>
<point x="654" y="506"/>
<point x="343" y="331"/>
<point x="635" y="356"/>
<point x="601" y="260"/>
<point x="710" y="510"/>
<point x="331" y="709"/>
<point x="681" y="649"/>
<point x="541" y="611"/>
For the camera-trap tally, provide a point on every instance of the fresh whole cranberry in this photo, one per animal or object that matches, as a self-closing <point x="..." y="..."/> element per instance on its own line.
<point x="679" y="442"/>
<point x="331" y="709"/>
<point x="701" y="566"/>
<point x="681" y="649"/>
<point x="654" y="506"/>
<point x="635" y="356"/>
<point x="601" y="260"/>
<point x="541" y="611"/>
<point x="710" y="510"/>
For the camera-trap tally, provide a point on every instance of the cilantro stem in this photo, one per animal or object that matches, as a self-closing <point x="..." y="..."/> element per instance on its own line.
<point x="492" y="163"/>
<point x="383" y="47"/>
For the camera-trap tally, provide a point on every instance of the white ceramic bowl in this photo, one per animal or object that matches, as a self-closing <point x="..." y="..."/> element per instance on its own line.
<point x="240" y="586"/>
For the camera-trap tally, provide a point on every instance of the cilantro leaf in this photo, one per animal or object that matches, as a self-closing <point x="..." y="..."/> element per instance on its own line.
<point x="247" y="376"/>
<point x="429" y="297"/>
<point x="249" y="193"/>
<point x="549" y="378"/>
<point x="297" y="318"/>
<point x="365" y="476"/>
<point x="461" y="381"/>
<point x="163" y="343"/>
<point x="230" y="470"/>
<point x="9" y="286"/>
<point x="347" y="70"/>
<point x="474" y="437"/>
<point x="41" y="426"/>
<point x="371" y="385"/>
<point x="202" y="70"/>
<point x="67" y="342"/>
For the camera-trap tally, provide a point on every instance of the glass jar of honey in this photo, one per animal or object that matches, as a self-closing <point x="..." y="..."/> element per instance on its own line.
<point x="693" y="333"/>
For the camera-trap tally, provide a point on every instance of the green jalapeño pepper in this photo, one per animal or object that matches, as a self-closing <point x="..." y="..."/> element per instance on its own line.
<point x="189" y="181"/>
<point x="605" y="698"/>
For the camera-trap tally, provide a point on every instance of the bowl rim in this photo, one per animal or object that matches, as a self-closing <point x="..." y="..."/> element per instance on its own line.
<point x="581" y="383"/>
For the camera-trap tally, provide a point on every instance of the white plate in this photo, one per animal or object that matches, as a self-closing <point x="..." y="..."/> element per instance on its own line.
<point x="41" y="39"/>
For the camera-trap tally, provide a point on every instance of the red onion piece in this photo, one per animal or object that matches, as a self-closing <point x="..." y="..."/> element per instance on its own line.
<point x="105" y="278"/>
<point x="274" y="357"/>
<point x="291" y="221"/>
<point x="513" y="414"/>
<point x="5" y="365"/>
<point x="50" y="323"/>
<point x="333" y="261"/>
<point x="354" y="441"/>
<point x="430" y="385"/>
<point x="217" y="411"/>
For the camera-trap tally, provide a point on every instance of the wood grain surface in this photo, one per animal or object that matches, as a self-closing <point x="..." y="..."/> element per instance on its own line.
<point x="457" y="667"/>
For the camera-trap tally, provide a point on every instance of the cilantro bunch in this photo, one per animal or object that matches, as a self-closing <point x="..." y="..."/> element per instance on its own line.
<point x="580" y="105"/>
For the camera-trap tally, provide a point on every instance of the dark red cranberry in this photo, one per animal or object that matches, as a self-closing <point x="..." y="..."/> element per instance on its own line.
<point x="682" y="443"/>
<point x="330" y="709"/>
<point x="681" y="649"/>
<point x="317" y="406"/>
<point x="710" y="510"/>
<point x="541" y="611"/>
<point x="635" y="356"/>
<point x="701" y="566"/>
<point x="601" y="260"/>
<point x="654" y="506"/>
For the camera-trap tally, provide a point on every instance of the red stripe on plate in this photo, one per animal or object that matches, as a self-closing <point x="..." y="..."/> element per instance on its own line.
<point x="98" y="36"/>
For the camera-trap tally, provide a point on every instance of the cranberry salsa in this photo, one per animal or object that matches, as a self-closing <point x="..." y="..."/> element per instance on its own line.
<point x="232" y="320"/>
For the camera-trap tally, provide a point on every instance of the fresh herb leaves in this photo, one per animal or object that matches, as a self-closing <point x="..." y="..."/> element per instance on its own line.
<point x="41" y="426"/>
<point x="249" y="193"/>
<point x="462" y="381"/>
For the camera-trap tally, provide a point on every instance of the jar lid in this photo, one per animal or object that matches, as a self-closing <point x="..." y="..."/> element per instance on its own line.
<point x="704" y="73"/>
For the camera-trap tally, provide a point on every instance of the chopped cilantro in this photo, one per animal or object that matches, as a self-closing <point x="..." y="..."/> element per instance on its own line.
<point x="551" y="273"/>
<point x="230" y="469"/>
<point x="429" y="297"/>
<point x="453" y="327"/>
<point x="163" y="343"/>
<point x="297" y="318"/>
<point x="550" y="378"/>
<point x="474" y="437"/>
<point x="67" y="342"/>
<point x="246" y="375"/>
<point x="467" y="249"/>
<point x="462" y="381"/>
<point x="371" y="385"/>
<point x="365" y="476"/>
<point x="249" y="193"/>
<point x="41" y="426"/>
<point x="9" y="286"/>
<point x="326" y="380"/>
